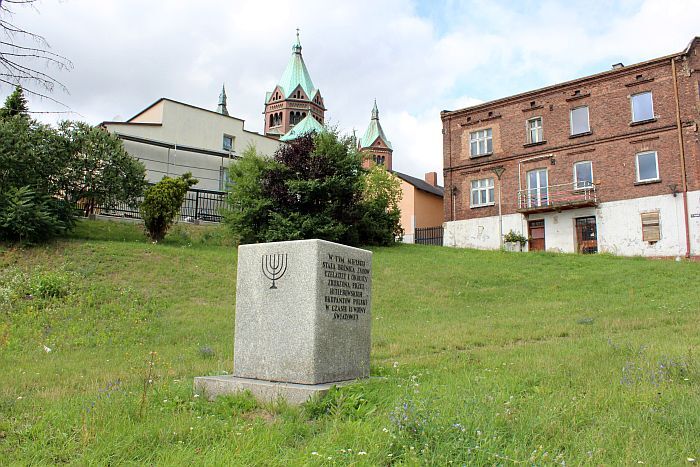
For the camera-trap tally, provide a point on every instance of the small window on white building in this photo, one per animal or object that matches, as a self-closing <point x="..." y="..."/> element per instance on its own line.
<point x="228" y="143"/>
<point x="651" y="227"/>
<point x="482" y="192"/>
<point x="647" y="167"/>
<point x="642" y="107"/>
<point x="481" y="142"/>
<point x="583" y="175"/>
<point x="579" y="121"/>
<point x="534" y="130"/>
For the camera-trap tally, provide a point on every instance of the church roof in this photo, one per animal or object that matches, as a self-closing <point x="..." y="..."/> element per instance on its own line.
<point x="306" y="125"/>
<point x="374" y="131"/>
<point x="296" y="74"/>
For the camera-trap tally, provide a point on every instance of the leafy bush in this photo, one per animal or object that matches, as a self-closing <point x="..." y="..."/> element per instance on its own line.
<point x="162" y="202"/>
<point x="514" y="237"/>
<point x="313" y="187"/>
<point x="30" y="217"/>
<point x="44" y="172"/>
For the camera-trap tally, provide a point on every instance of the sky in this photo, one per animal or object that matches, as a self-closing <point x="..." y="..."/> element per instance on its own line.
<point x="416" y="58"/>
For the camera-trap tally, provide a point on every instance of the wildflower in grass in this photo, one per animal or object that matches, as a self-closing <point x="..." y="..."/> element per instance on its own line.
<point x="362" y="453"/>
<point x="314" y="453"/>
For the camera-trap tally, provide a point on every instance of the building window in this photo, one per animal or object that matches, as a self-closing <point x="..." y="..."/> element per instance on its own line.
<point x="228" y="143"/>
<point x="579" y="121"/>
<point x="642" y="107"/>
<point x="534" y="130"/>
<point x="482" y="192"/>
<point x="223" y="178"/>
<point x="583" y="175"/>
<point x="537" y="188"/>
<point x="647" y="167"/>
<point x="481" y="142"/>
<point x="651" y="228"/>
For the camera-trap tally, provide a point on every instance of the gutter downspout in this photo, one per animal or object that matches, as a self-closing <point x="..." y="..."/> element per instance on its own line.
<point x="684" y="179"/>
<point x="449" y="150"/>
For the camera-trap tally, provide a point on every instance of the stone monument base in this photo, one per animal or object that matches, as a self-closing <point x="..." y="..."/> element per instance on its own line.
<point x="266" y="391"/>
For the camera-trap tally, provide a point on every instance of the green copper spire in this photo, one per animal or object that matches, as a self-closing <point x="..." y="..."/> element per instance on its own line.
<point x="307" y="125"/>
<point x="374" y="131"/>
<point x="296" y="74"/>
<point x="221" y="108"/>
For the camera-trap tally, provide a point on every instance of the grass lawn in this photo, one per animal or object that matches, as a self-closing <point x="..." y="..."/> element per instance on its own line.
<point x="483" y="358"/>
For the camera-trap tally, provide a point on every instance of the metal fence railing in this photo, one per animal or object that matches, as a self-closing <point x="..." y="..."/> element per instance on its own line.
<point x="429" y="236"/>
<point x="199" y="205"/>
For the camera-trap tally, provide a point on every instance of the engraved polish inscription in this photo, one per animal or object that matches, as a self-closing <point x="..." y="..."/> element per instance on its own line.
<point x="347" y="279"/>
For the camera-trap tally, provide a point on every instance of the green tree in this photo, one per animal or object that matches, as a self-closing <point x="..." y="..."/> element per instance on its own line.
<point x="381" y="213"/>
<point x="313" y="187"/>
<point x="101" y="172"/>
<point x="15" y="104"/>
<point x="248" y="207"/>
<point x="162" y="202"/>
<point x="32" y="161"/>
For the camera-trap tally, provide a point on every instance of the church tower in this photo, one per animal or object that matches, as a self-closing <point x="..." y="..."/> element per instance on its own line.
<point x="294" y="98"/>
<point x="374" y="144"/>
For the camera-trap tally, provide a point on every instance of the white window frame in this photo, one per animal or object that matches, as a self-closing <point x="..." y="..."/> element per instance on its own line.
<point x="538" y="195"/>
<point x="488" y="188"/>
<point x="530" y="140"/>
<point x="588" y="120"/>
<point x="652" y="106"/>
<point x="636" y="166"/>
<point x="476" y="137"/>
<point x="576" y="181"/>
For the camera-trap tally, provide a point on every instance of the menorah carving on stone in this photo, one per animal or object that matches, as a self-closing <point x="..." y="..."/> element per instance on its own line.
<point x="274" y="266"/>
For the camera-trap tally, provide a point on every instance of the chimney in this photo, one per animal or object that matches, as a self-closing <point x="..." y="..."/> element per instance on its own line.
<point x="431" y="178"/>
<point x="617" y="66"/>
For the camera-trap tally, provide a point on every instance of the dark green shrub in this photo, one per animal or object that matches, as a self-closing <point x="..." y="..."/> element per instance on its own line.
<point x="162" y="202"/>
<point x="313" y="187"/>
<point x="29" y="217"/>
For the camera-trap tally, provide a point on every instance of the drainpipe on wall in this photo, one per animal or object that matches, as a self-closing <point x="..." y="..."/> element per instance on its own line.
<point x="452" y="178"/>
<point x="684" y="179"/>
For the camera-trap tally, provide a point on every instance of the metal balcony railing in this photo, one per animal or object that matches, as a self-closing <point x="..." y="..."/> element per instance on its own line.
<point x="554" y="197"/>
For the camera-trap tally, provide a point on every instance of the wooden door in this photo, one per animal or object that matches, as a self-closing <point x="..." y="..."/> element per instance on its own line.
<point x="586" y="235"/>
<point x="536" y="235"/>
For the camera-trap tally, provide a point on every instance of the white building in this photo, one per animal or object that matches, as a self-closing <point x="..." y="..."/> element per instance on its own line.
<point x="172" y="138"/>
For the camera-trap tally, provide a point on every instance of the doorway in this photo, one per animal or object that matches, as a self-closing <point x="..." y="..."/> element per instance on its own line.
<point x="586" y="235"/>
<point x="536" y="229"/>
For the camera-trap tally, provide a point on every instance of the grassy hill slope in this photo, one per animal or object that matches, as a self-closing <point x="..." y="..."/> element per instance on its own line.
<point x="483" y="358"/>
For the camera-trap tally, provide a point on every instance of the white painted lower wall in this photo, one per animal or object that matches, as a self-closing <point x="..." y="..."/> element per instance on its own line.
<point x="618" y="224"/>
<point x="481" y="233"/>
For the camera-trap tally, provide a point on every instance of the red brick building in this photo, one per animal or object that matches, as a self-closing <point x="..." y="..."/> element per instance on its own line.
<point x="608" y="162"/>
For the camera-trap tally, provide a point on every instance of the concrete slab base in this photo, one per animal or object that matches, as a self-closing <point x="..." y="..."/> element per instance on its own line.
<point x="266" y="391"/>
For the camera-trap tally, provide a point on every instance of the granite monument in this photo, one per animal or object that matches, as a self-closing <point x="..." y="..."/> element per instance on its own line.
<point x="303" y="320"/>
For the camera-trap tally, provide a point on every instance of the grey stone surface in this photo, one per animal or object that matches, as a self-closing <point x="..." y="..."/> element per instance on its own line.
<point x="268" y="391"/>
<point x="314" y="326"/>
